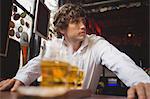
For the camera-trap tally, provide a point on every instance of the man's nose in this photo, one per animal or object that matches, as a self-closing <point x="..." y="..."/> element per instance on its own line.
<point x="82" y="25"/>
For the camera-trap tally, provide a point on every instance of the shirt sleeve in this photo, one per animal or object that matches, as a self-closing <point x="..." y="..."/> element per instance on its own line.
<point x="122" y="65"/>
<point x="30" y="72"/>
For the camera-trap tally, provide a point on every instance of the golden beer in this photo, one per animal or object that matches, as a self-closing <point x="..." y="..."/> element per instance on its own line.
<point x="72" y="77"/>
<point x="57" y="73"/>
<point x="54" y="73"/>
<point x="75" y="77"/>
<point x="80" y="79"/>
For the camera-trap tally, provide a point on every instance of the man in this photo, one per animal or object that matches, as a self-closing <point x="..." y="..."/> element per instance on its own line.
<point x="93" y="50"/>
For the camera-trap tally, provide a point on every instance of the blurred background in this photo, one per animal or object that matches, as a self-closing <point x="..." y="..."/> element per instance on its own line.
<point x="124" y="23"/>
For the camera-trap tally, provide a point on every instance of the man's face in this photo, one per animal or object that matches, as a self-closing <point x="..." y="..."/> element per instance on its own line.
<point x="76" y="30"/>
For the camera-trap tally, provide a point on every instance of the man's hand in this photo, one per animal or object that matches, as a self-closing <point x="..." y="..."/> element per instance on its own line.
<point x="142" y="90"/>
<point x="10" y="84"/>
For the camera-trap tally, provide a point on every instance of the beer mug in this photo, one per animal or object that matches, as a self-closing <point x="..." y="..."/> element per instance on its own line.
<point x="60" y="68"/>
<point x="75" y="74"/>
<point x="54" y="66"/>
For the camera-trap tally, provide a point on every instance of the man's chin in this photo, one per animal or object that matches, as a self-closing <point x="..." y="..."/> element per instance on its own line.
<point x="81" y="38"/>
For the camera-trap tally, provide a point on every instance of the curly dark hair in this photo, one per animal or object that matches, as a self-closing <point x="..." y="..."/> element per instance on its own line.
<point x="65" y="14"/>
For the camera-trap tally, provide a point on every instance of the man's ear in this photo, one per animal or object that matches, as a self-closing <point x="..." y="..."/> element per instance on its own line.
<point x="62" y="31"/>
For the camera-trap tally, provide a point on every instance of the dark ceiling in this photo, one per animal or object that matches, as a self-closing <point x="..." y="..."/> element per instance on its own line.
<point x="98" y="2"/>
<point x="86" y="1"/>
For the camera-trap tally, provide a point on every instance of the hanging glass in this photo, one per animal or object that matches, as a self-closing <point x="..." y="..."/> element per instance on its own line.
<point x="24" y="38"/>
<point x="23" y="14"/>
<point x="16" y="16"/>
<point x="11" y="24"/>
<point x="27" y="24"/>
<point x="22" y="21"/>
<point x="17" y="34"/>
<point x="11" y="32"/>
<point x="20" y="29"/>
<point x="14" y="8"/>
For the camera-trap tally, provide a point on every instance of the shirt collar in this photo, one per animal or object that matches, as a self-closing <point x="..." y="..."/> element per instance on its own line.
<point x="83" y="45"/>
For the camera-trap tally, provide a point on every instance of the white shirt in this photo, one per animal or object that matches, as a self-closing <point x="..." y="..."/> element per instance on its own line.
<point x="93" y="52"/>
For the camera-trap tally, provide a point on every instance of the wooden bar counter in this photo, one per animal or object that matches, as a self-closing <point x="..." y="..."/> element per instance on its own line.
<point x="15" y="95"/>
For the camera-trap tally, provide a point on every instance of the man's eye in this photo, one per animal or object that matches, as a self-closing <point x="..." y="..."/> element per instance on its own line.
<point x="84" y="21"/>
<point x="74" y="22"/>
